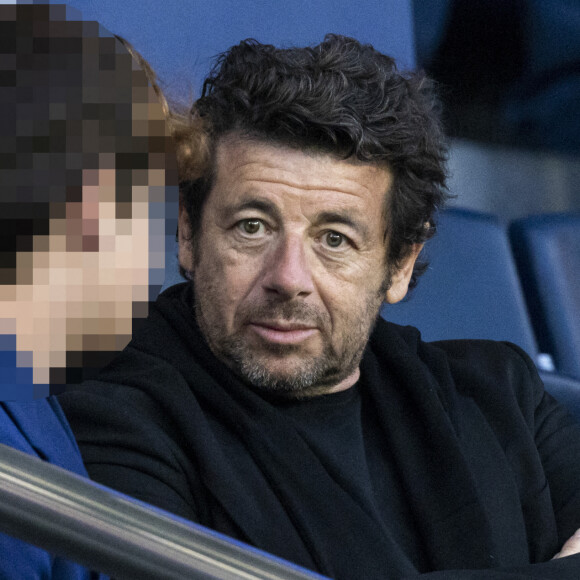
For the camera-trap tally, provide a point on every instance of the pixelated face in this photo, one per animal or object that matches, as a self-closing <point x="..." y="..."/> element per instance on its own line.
<point x="289" y="265"/>
<point x="91" y="275"/>
<point x="84" y="192"/>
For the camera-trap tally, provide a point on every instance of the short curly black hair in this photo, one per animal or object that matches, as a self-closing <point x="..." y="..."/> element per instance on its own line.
<point x="340" y="97"/>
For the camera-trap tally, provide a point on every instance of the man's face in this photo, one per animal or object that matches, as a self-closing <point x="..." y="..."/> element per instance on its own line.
<point x="289" y="265"/>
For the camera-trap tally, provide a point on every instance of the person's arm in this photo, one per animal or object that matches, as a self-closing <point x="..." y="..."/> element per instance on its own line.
<point x="125" y="450"/>
<point x="563" y="569"/>
<point x="564" y="566"/>
<point x="557" y="437"/>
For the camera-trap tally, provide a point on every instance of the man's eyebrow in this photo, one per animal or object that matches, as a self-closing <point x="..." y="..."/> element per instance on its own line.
<point x="335" y="217"/>
<point x="262" y="205"/>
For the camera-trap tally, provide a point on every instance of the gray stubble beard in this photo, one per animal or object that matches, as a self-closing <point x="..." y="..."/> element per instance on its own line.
<point x="314" y="374"/>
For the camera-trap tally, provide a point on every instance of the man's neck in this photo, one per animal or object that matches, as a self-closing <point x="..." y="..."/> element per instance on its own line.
<point x="315" y="390"/>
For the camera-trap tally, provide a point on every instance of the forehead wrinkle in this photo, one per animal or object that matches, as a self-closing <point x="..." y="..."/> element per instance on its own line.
<point x="317" y="187"/>
<point x="296" y="170"/>
<point x="235" y="153"/>
<point x="320" y="187"/>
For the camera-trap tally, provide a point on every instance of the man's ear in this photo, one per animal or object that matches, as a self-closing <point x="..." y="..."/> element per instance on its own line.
<point x="185" y="240"/>
<point x="401" y="278"/>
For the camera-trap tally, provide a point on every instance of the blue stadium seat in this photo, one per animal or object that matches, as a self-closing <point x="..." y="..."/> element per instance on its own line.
<point x="172" y="275"/>
<point x="547" y="251"/>
<point x="471" y="289"/>
<point x="565" y="390"/>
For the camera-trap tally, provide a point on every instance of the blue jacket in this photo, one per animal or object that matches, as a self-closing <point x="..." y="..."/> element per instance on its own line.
<point x="38" y="427"/>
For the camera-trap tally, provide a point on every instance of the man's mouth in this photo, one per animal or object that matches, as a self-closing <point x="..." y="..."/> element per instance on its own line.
<point x="283" y="332"/>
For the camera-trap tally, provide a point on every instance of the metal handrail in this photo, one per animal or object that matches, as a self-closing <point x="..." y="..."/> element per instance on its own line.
<point x="73" y="517"/>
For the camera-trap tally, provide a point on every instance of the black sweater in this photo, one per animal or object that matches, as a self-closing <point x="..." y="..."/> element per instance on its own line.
<point x="481" y="467"/>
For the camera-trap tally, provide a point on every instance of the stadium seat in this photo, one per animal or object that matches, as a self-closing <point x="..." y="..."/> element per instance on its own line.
<point x="547" y="252"/>
<point x="565" y="390"/>
<point x="172" y="275"/>
<point x="471" y="288"/>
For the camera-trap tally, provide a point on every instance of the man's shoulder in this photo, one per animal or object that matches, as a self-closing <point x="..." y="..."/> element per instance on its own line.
<point x="466" y="349"/>
<point x="494" y="355"/>
<point x="475" y="365"/>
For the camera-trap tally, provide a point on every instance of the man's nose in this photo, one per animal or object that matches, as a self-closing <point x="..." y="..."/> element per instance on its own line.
<point x="288" y="271"/>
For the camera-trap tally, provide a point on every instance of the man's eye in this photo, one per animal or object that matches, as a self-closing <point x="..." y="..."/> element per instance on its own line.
<point x="251" y="226"/>
<point x="334" y="239"/>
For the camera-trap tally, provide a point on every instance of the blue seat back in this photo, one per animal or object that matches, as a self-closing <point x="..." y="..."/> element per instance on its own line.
<point x="172" y="275"/>
<point x="547" y="251"/>
<point x="471" y="289"/>
<point x="566" y="390"/>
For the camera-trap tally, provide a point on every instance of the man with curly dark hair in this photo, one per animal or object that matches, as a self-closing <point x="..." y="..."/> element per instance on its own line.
<point x="265" y="398"/>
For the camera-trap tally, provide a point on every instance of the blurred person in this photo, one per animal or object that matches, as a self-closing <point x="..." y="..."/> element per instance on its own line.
<point x="85" y="164"/>
<point x="266" y="399"/>
<point x="510" y="69"/>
